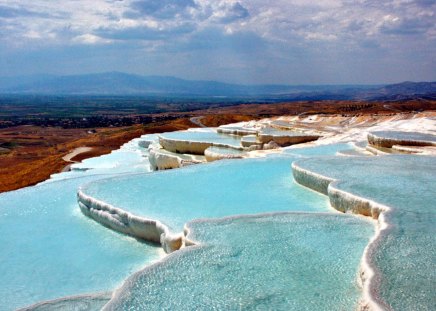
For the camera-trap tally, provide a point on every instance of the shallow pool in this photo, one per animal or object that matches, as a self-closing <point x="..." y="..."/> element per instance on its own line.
<point x="273" y="262"/>
<point x="223" y="188"/>
<point x="206" y="136"/>
<point x="50" y="250"/>
<point x="405" y="256"/>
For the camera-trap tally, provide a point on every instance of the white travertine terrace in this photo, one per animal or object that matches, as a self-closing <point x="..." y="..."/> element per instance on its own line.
<point x="155" y="231"/>
<point x="241" y="131"/>
<point x="127" y="223"/>
<point x="285" y="138"/>
<point x="429" y="150"/>
<point x="377" y="150"/>
<point x="217" y="153"/>
<point x="387" y="139"/>
<point x="249" y="262"/>
<point x="144" y="143"/>
<point x="248" y="141"/>
<point x="84" y="302"/>
<point x="395" y="190"/>
<point x="346" y="202"/>
<point x="160" y="160"/>
<point x="191" y="147"/>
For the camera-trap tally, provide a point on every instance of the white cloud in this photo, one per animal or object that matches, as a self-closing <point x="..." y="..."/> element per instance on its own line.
<point x="320" y="37"/>
<point x="286" y="31"/>
<point x="90" y="39"/>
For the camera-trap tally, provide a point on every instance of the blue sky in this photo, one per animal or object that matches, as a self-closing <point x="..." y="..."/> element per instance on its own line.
<point x="246" y="41"/>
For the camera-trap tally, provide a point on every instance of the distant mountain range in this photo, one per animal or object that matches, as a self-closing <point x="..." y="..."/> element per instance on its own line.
<point x="115" y="83"/>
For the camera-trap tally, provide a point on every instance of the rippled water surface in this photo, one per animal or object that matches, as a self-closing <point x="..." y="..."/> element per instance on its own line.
<point x="279" y="262"/>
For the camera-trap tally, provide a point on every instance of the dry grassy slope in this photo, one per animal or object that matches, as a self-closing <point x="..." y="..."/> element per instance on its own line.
<point x="349" y="108"/>
<point x="32" y="163"/>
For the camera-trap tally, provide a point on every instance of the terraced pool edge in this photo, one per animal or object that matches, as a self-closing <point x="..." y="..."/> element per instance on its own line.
<point x="121" y="293"/>
<point x="122" y="221"/>
<point x="346" y="202"/>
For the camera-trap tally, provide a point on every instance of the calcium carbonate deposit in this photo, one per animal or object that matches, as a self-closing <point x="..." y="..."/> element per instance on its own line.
<point x="153" y="226"/>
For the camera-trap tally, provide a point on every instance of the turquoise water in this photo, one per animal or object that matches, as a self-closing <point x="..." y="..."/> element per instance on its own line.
<point x="209" y="136"/>
<point x="280" y="262"/>
<point x="276" y="132"/>
<point x="225" y="151"/>
<point x="223" y="188"/>
<point x="321" y="150"/>
<point x="353" y="153"/>
<point x="89" y="302"/>
<point x="130" y="158"/>
<point x="50" y="250"/>
<point x="111" y="161"/>
<point x="406" y="255"/>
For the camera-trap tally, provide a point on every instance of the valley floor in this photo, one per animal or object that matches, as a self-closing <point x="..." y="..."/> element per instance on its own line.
<point x="30" y="154"/>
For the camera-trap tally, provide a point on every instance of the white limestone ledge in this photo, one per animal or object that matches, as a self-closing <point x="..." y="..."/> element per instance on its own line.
<point x="283" y="138"/>
<point x="339" y="199"/>
<point x="144" y="143"/>
<point x="191" y="147"/>
<point x="348" y="203"/>
<point x="124" y="222"/>
<point x="424" y="150"/>
<point x="387" y="139"/>
<point x="217" y="153"/>
<point x="377" y="150"/>
<point x="161" y="159"/>
<point x="248" y="141"/>
<point x="240" y="131"/>
<point x="78" y="302"/>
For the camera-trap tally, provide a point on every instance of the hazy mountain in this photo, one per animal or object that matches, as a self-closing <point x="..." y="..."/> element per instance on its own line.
<point x="115" y="83"/>
<point x="404" y="90"/>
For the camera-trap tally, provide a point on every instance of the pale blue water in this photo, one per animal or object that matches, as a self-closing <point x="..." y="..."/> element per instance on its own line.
<point x="87" y="302"/>
<point x="321" y="150"/>
<point x="281" y="262"/>
<point x="406" y="256"/>
<point x="208" y="136"/>
<point x="249" y="138"/>
<point x="225" y="151"/>
<point x="276" y="132"/>
<point x="223" y="188"/>
<point x="50" y="250"/>
<point x="353" y="153"/>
